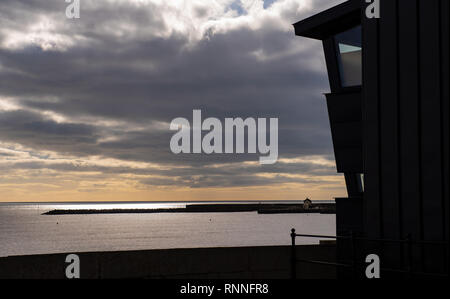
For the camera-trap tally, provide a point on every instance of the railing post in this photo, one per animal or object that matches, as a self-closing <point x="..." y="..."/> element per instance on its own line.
<point x="410" y="255"/>
<point x="293" y="256"/>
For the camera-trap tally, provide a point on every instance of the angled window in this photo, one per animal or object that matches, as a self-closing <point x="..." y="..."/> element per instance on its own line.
<point x="349" y="52"/>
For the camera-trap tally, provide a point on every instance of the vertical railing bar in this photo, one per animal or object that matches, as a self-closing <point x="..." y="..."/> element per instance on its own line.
<point x="293" y="256"/>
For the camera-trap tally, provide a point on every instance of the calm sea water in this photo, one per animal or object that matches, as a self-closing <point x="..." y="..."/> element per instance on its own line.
<point x="23" y="230"/>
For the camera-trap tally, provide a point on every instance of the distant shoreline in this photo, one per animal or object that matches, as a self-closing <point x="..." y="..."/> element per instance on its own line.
<point x="260" y="208"/>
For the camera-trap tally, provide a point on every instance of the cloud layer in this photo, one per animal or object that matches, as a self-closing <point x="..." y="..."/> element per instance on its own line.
<point x="85" y="104"/>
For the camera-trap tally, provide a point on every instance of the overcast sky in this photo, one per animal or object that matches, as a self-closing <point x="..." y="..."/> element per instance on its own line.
<point x="85" y="104"/>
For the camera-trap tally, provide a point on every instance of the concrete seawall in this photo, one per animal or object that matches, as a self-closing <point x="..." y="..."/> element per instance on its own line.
<point x="265" y="262"/>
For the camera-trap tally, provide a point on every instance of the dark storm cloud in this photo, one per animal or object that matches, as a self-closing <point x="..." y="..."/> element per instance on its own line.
<point x="32" y="130"/>
<point x="113" y="65"/>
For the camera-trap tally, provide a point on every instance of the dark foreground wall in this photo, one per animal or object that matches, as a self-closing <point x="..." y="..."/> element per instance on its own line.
<point x="238" y="262"/>
<point x="406" y="129"/>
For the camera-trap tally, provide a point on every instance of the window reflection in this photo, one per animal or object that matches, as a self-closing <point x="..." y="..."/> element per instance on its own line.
<point x="350" y="57"/>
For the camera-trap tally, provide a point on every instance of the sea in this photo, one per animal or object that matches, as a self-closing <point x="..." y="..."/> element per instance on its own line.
<point x="25" y="231"/>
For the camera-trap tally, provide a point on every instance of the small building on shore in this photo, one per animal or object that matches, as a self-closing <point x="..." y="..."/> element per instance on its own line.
<point x="307" y="204"/>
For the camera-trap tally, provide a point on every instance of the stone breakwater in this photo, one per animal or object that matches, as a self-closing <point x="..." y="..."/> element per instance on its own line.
<point x="325" y="208"/>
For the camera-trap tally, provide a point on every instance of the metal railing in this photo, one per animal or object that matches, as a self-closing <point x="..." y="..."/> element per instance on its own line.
<point x="354" y="264"/>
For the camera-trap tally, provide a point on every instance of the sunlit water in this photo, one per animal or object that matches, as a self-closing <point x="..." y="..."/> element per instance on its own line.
<point x="23" y="230"/>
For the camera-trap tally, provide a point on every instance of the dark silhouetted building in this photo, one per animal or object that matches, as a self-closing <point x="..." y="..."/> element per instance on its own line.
<point x="389" y="117"/>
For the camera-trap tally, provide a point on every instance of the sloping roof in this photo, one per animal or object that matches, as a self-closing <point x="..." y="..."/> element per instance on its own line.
<point x="331" y="21"/>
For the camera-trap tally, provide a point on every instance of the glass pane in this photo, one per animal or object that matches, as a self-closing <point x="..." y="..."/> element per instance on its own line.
<point x="350" y="56"/>
<point x="362" y="182"/>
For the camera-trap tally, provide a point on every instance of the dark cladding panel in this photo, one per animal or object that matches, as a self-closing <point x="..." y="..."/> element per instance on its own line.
<point x="445" y="99"/>
<point x="348" y="160"/>
<point x="348" y="135"/>
<point x="431" y="143"/>
<point x="370" y="106"/>
<point x="344" y="110"/>
<point x="406" y="128"/>
<point x="389" y="131"/>
<point x="344" y="107"/>
<point x="445" y="112"/>
<point x="409" y="117"/>
<point x="430" y="108"/>
<point x="346" y="211"/>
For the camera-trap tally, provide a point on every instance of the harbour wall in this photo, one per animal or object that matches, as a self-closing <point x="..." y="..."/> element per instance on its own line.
<point x="262" y="262"/>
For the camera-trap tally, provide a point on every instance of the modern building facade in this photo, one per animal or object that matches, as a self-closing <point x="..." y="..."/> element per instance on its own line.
<point x="389" y="116"/>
